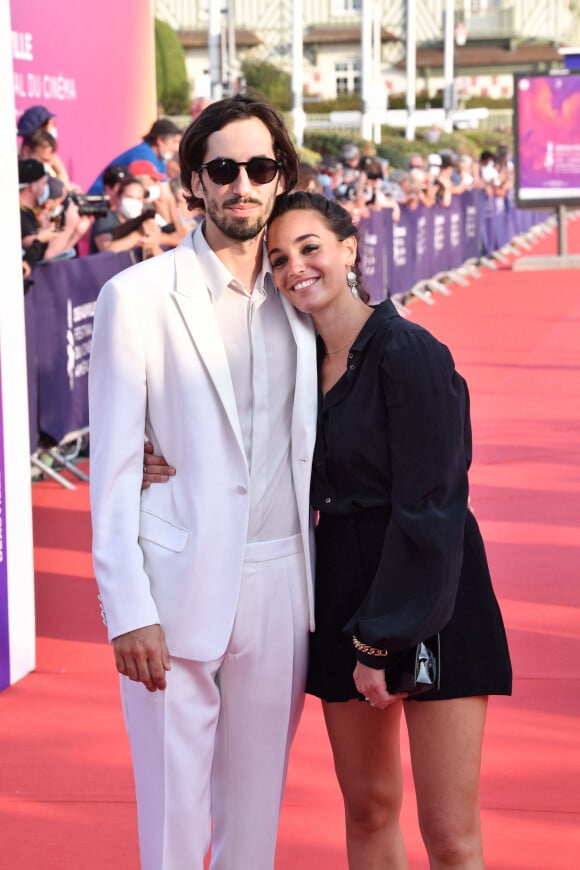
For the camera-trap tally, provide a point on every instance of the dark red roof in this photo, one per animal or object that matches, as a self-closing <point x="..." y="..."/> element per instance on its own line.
<point x="492" y="55"/>
<point x="341" y="35"/>
<point x="198" y="38"/>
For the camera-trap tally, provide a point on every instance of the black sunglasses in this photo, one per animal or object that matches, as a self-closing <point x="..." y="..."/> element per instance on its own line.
<point x="260" y="170"/>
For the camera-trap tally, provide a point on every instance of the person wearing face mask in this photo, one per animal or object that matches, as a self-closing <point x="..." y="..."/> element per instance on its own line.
<point x="158" y="145"/>
<point x="128" y="206"/>
<point x="489" y="177"/>
<point x="54" y="208"/>
<point x="40" y="242"/>
<point x="159" y="197"/>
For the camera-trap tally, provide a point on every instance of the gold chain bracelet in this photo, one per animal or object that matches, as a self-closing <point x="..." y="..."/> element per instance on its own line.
<point x="365" y="648"/>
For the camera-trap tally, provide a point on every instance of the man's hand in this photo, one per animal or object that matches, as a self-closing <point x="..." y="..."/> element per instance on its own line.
<point x="142" y="655"/>
<point x="155" y="468"/>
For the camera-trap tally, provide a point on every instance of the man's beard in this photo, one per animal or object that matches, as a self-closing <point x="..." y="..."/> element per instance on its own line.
<point x="240" y="229"/>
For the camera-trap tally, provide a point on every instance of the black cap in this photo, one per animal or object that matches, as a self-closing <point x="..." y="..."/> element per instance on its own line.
<point x="30" y="170"/>
<point x="114" y="173"/>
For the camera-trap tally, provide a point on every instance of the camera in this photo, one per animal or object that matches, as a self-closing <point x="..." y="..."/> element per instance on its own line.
<point x="95" y="205"/>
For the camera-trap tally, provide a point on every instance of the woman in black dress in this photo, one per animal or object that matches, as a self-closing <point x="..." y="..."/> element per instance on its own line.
<point x="399" y="555"/>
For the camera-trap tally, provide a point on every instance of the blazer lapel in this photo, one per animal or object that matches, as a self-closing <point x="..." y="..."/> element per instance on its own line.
<point x="193" y="300"/>
<point x="305" y="393"/>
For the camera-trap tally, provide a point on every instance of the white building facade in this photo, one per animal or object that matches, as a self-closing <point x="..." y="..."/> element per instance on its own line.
<point x="332" y="40"/>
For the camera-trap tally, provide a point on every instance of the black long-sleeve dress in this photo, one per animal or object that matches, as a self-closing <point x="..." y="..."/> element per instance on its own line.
<point x="399" y="555"/>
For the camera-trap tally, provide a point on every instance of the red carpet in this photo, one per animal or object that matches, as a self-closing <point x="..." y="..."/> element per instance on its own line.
<point x="66" y="799"/>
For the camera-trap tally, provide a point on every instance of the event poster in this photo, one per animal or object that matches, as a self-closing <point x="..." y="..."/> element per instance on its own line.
<point x="547" y="146"/>
<point x="4" y="630"/>
<point x="93" y="67"/>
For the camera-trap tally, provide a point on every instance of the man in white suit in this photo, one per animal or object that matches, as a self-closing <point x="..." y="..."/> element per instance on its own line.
<point x="206" y="583"/>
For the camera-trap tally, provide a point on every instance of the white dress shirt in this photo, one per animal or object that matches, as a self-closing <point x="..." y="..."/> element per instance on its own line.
<point x="261" y="354"/>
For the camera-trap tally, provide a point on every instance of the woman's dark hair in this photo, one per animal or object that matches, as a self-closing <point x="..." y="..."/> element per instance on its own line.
<point x="217" y="115"/>
<point x="127" y="182"/>
<point x="336" y="219"/>
<point x="162" y="128"/>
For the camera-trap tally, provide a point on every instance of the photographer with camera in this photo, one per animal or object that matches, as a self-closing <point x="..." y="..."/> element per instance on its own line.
<point x="41" y="240"/>
<point x="129" y="222"/>
<point x="158" y="196"/>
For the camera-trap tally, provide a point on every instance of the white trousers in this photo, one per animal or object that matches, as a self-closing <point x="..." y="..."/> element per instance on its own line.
<point x="213" y="747"/>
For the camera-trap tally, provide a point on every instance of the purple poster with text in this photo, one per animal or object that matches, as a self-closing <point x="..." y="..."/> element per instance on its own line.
<point x="547" y="125"/>
<point x="4" y="632"/>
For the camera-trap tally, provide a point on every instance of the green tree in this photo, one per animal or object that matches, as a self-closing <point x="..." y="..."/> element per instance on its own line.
<point x="173" y="91"/>
<point x="271" y="81"/>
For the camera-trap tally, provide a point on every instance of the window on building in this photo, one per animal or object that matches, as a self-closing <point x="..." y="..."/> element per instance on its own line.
<point x="342" y="6"/>
<point x="348" y="79"/>
<point x="478" y="6"/>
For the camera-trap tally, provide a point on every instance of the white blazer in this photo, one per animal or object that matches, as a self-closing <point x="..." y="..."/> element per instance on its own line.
<point x="173" y="554"/>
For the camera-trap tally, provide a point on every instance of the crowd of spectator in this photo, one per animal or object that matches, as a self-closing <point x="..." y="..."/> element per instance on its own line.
<point x="137" y="201"/>
<point x="362" y="181"/>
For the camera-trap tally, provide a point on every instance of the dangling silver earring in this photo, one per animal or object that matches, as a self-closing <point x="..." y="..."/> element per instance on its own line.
<point x="351" y="281"/>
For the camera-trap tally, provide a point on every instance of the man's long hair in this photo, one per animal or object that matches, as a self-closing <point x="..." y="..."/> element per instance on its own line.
<point x="217" y="115"/>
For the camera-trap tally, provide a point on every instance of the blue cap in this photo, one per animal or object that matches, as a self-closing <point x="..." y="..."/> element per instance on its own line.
<point x="32" y="119"/>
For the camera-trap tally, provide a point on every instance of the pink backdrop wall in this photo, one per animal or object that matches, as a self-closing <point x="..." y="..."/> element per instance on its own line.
<point x="93" y="65"/>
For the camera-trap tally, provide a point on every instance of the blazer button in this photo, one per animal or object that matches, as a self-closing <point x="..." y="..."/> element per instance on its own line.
<point x="327" y="500"/>
<point x="241" y="489"/>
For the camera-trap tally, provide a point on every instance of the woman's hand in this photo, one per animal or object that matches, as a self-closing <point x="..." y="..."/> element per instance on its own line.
<point x="155" y="468"/>
<point x="371" y="683"/>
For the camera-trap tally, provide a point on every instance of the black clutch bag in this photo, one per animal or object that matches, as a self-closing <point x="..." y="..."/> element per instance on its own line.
<point x="414" y="670"/>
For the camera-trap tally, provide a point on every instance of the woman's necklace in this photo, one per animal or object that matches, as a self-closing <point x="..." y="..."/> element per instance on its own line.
<point x="342" y="347"/>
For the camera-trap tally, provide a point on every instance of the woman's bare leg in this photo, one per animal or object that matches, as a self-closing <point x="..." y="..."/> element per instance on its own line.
<point x="366" y="747"/>
<point x="446" y="740"/>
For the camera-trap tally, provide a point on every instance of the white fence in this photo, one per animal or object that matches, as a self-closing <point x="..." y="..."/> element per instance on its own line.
<point x="423" y="119"/>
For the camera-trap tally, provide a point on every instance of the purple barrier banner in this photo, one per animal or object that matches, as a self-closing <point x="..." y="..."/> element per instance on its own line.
<point x="470" y="208"/>
<point x="373" y="242"/>
<point x="4" y="627"/>
<point x="400" y="256"/>
<point x="512" y="215"/>
<point x="440" y="259"/>
<point x="455" y="238"/>
<point x="423" y="244"/>
<point x="501" y="235"/>
<point x="428" y="241"/>
<point x="487" y="225"/>
<point x="30" y="326"/>
<point x="63" y="301"/>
